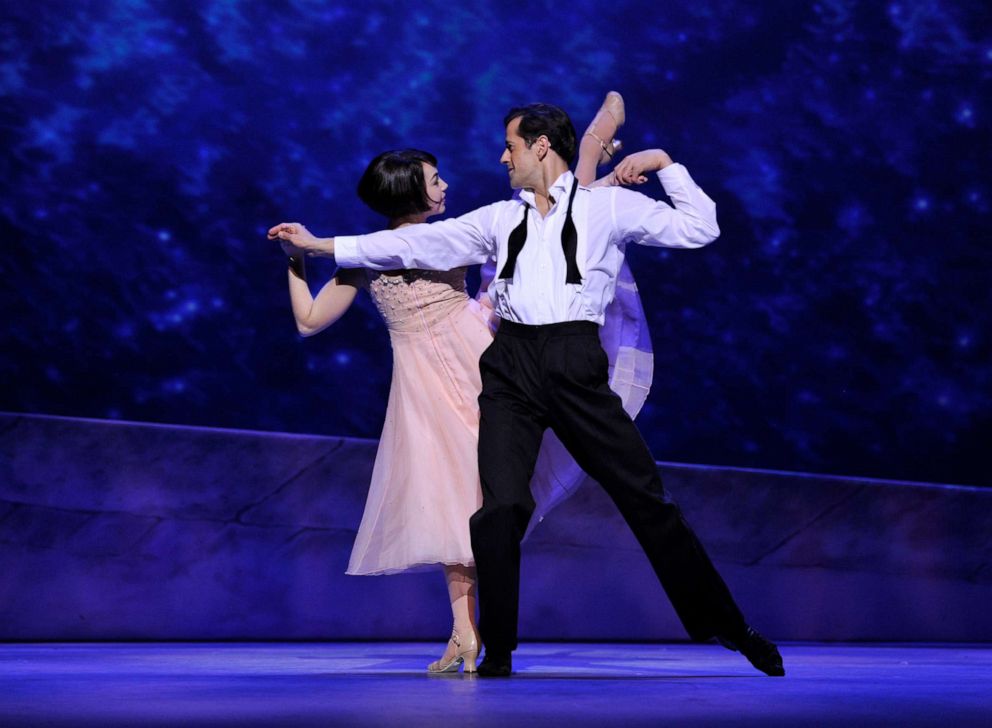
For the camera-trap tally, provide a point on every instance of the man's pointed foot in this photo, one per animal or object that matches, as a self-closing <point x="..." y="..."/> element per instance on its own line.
<point x="760" y="652"/>
<point x="495" y="664"/>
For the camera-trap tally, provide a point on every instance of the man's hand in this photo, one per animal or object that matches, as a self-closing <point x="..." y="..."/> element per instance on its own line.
<point x="631" y="171"/>
<point x="295" y="239"/>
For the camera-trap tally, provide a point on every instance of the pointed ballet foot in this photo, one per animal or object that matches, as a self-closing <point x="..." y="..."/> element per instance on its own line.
<point x="760" y="652"/>
<point x="604" y="126"/>
<point x="495" y="664"/>
<point x="614" y="106"/>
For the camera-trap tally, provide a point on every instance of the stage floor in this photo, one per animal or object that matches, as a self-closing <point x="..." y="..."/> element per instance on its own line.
<point x="384" y="684"/>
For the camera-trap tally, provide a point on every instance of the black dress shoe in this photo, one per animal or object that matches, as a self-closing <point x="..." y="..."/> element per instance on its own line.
<point x="760" y="652"/>
<point x="495" y="664"/>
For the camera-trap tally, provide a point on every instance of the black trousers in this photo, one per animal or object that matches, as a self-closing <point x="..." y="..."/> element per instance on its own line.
<point x="534" y="377"/>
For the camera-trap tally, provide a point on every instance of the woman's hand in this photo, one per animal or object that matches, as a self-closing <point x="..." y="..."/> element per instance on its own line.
<point x="295" y="239"/>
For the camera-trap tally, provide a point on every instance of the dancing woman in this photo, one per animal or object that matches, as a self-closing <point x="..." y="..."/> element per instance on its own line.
<point x="425" y="481"/>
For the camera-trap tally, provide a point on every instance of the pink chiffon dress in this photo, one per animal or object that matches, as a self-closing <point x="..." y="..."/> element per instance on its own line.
<point x="425" y="481"/>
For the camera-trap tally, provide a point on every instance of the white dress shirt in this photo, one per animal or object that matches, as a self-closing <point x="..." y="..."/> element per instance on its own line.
<point x="606" y="219"/>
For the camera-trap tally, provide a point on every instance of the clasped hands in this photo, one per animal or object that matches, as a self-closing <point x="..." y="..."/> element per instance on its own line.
<point x="296" y="240"/>
<point x="632" y="169"/>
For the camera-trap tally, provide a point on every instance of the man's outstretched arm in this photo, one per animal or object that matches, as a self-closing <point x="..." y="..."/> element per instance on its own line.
<point x="297" y="240"/>
<point x="690" y="224"/>
<point x="441" y="245"/>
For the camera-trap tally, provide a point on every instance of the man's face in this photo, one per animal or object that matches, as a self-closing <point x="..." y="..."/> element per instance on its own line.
<point x="521" y="161"/>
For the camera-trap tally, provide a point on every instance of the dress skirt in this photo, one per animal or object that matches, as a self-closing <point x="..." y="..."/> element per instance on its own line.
<point x="425" y="482"/>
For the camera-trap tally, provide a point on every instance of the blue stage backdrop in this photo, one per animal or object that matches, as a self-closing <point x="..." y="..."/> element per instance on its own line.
<point x="841" y="324"/>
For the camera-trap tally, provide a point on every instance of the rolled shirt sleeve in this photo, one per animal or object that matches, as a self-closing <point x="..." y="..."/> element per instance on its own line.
<point x="690" y="224"/>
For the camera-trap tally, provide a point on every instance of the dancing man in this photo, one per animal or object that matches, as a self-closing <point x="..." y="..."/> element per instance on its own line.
<point x="558" y="248"/>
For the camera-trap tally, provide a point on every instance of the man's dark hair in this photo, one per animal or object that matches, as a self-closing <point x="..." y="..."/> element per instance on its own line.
<point x="393" y="183"/>
<point x="545" y="120"/>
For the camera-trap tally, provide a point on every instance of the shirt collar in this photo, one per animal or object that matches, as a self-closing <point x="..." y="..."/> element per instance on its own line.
<point x="559" y="189"/>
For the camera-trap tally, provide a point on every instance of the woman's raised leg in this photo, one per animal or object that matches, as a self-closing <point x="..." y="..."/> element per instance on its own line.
<point x="597" y="145"/>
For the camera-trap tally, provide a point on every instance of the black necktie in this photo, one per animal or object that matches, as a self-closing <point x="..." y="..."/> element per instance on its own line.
<point x="569" y="243"/>
<point x="514" y="245"/>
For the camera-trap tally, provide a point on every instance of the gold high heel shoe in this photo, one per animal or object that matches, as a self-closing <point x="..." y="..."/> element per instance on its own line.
<point x="467" y="652"/>
<point x="613" y="107"/>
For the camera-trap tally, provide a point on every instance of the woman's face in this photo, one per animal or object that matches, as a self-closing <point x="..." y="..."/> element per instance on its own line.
<point x="435" y="187"/>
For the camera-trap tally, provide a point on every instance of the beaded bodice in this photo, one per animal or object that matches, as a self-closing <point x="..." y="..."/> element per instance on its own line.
<point x="414" y="300"/>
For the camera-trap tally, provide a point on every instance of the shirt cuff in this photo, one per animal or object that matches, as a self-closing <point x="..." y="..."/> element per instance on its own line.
<point x="674" y="175"/>
<point x="346" y="253"/>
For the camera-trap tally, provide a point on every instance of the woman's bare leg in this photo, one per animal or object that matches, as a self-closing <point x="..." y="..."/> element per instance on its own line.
<point x="465" y="635"/>
<point x="597" y="145"/>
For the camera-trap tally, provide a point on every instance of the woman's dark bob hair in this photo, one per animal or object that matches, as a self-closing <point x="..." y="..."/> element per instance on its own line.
<point x="393" y="183"/>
